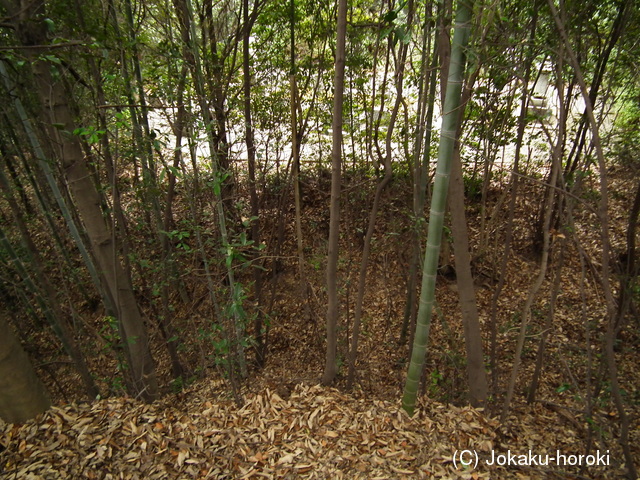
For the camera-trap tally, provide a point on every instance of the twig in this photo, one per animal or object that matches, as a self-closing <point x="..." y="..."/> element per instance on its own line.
<point x="41" y="47"/>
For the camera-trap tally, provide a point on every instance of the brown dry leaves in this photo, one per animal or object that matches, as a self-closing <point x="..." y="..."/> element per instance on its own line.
<point x="316" y="433"/>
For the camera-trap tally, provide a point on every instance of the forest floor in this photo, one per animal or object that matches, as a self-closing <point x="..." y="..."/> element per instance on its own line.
<point x="289" y="426"/>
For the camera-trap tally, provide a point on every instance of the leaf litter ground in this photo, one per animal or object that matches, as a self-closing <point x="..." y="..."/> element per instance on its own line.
<point x="316" y="433"/>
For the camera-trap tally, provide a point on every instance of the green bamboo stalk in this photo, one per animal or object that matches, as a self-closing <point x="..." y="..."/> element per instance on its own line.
<point x="450" y="120"/>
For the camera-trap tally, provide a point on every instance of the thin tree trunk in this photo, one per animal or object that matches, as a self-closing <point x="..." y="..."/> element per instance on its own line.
<point x="422" y="155"/>
<point x="388" y="175"/>
<point x="476" y="375"/>
<point x="223" y="56"/>
<point x="513" y="189"/>
<point x="629" y="265"/>
<point x="295" y="147"/>
<point x="253" y="194"/>
<point x="535" y="287"/>
<point x="370" y="115"/>
<point x="602" y="62"/>
<point x="548" y="327"/>
<point x="603" y="214"/>
<point x="331" y="366"/>
<point x="169" y="267"/>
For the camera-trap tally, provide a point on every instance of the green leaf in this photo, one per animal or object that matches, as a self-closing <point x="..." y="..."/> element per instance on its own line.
<point x="217" y="187"/>
<point x="386" y="31"/>
<point x="51" y="26"/>
<point x="403" y="35"/>
<point x="390" y="16"/>
<point x="53" y="59"/>
<point x="175" y="171"/>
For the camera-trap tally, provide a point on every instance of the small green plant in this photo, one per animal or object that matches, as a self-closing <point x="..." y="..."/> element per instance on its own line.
<point x="177" y="385"/>
<point x="339" y="363"/>
<point x="180" y="383"/>
<point x="179" y="237"/>
<point x="110" y="333"/>
<point x="91" y="134"/>
<point x="435" y="382"/>
<point x="117" y="385"/>
<point x="316" y="262"/>
<point x="217" y="182"/>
